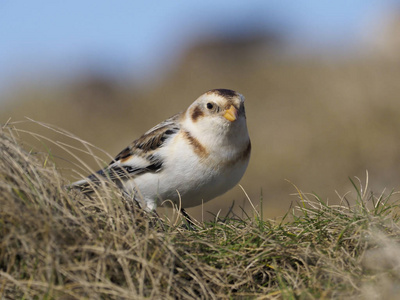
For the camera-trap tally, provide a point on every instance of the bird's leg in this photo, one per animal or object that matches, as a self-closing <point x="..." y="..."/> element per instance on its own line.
<point x="160" y="221"/>
<point x="189" y="222"/>
<point x="151" y="214"/>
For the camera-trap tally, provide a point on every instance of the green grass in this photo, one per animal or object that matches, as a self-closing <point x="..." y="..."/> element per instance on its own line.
<point x="57" y="244"/>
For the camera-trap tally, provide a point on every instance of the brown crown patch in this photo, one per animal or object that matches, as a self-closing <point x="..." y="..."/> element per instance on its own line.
<point x="224" y="93"/>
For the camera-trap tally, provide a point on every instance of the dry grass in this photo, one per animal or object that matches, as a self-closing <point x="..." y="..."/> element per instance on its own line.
<point x="57" y="244"/>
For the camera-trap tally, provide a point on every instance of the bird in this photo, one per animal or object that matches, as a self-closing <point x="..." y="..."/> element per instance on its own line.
<point x="189" y="159"/>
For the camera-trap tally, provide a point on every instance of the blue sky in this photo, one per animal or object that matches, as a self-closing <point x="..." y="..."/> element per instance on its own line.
<point x="61" y="37"/>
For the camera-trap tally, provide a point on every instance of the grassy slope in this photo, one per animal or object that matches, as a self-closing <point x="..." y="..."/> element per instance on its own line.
<point x="56" y="244"/>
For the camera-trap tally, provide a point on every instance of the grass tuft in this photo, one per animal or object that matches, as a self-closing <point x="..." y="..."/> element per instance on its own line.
<point x="57" y="244"/>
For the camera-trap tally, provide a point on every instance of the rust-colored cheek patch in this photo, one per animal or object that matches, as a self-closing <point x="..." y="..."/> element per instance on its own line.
<point x="196" y="114"/>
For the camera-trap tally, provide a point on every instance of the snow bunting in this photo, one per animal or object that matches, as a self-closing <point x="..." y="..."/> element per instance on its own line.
<point x="189" y="158"/>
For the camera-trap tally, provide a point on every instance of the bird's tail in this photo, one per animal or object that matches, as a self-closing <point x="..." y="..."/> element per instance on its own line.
<point x="89" y="184"/>
<point x="86" y="186"/>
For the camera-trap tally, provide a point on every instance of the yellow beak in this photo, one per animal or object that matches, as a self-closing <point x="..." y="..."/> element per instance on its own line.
<point x="231" y="114"/>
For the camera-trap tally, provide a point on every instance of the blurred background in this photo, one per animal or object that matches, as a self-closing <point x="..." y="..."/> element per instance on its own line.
<point x="321" y="81"/>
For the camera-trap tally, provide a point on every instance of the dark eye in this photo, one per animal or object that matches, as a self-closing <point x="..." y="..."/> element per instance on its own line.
<point x="210" y="105"/>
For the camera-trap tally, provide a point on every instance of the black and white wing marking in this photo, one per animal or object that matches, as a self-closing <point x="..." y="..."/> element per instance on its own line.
<point x="138" y="158"/>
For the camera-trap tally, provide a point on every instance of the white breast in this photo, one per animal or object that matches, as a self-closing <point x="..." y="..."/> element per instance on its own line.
<point x="185" y="177"/>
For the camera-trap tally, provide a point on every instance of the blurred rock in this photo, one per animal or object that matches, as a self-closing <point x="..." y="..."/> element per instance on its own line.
<point x="383" y="37"/>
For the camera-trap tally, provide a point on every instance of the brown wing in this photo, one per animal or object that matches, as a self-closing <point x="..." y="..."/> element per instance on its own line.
<point x="138" y="158"/>
<point x="151" y="140"/>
